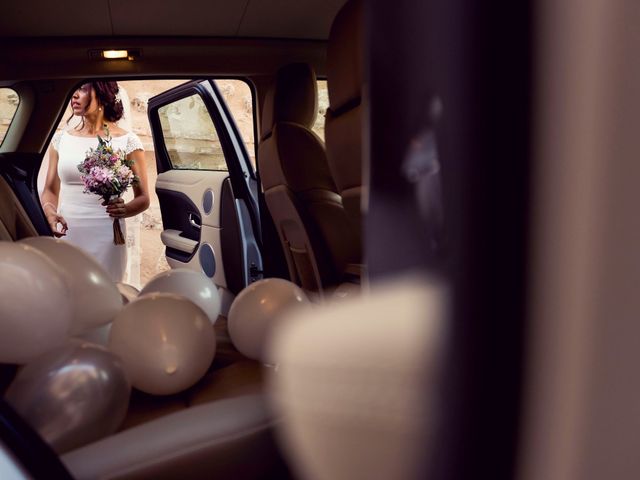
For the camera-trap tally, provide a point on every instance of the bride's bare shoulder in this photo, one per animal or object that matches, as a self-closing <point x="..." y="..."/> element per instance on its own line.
<point x="117" y="131"/>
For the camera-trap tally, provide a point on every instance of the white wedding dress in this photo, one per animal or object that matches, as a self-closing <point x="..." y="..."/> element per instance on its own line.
<point x="90" y="227"/>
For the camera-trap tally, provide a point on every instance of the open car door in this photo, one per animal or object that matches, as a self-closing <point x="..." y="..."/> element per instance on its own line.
<point x="207" y="188"/>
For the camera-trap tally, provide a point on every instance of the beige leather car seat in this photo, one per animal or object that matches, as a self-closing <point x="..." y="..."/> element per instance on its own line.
<point x="298" y="187"/>
<point x="343" y="126"/>
<point x="14" y="221"/>
<point x="219" y="428"/>
<point x="226" y="439"/>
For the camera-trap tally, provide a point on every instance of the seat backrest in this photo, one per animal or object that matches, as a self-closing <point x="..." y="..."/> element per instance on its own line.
<point x="14" y="221"/>
<point x="343" y="127"/>
<point x="298" y="187"/>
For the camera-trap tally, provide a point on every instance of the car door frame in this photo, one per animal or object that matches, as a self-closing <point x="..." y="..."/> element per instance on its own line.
<point x="228" y="134"/>
<point x="242" y="176"/>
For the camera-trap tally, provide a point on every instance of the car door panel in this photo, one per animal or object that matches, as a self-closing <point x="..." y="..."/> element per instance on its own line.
<point x="192" y="185"/>
<point x="177" y="210"/>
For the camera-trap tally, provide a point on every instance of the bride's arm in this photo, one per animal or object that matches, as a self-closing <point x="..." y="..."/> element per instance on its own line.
<point x="50" y="194"/>
<point x="141" y="199"/>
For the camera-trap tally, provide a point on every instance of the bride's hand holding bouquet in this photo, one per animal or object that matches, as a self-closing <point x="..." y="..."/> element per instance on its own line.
<point x="108" y="173"/>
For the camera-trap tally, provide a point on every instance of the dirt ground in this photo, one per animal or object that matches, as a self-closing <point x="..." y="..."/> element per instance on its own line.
<point x="152" y="259"/>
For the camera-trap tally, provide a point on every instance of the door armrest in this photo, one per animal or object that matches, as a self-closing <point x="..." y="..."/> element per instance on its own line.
<point x="172" y="239"/>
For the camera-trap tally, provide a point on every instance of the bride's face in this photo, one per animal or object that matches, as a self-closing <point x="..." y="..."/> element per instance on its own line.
<point x="84" y="100"/>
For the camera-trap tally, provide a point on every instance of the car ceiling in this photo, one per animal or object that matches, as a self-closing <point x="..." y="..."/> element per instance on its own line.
<point x="289" y="19"/>
<point x="45" y="46"/>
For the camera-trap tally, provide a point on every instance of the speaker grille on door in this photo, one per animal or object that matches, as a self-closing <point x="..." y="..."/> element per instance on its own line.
<point x="207" y="201"/>
<point x="207" y="260"/>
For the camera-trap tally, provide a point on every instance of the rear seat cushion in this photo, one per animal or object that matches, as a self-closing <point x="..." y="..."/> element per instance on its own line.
<point x="229" y="438"/>
<point x="236" y="380"/>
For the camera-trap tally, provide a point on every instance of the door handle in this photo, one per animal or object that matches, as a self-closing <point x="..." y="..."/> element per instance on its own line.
<point x="174" y="239"/>
<point x="192" y="221"/>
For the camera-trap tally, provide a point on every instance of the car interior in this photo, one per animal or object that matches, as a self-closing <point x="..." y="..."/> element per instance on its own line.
<point x="463" y="238"/>
<point x="222" y="426"/>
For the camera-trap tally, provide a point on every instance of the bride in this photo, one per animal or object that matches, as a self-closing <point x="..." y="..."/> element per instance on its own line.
<point x="81" y="218"/>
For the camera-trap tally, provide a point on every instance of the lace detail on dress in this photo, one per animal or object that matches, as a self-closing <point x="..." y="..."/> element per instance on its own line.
<point x="133" y="143"/>
<point x="55" y="141"/>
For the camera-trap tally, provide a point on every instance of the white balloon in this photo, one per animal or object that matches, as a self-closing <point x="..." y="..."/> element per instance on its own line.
<point x="95" y="300"/>
<point x="165" y="341"/>
<point x="72" y="395"/>
<point x="128" y="292"/>
<point x="257" y="310"/>
<point x="99" y="335"/>
<point x="35" y="309"/>
<point x="195" y="286"/>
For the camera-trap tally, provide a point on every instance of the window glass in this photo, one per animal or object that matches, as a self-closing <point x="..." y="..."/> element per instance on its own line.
<point x="190" y="135"/>
<point x="323" y="104"/>
<point x="239" y="99"/>
<point x="9" y="101"/>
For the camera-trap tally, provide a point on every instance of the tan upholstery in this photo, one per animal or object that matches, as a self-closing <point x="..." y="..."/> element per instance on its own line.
<point x="236" y="380"/>
<point x="293" y="98"/>
<point x="219" y="428"/>
<point x="239" y="379"/>
<point x="299" y="190"/>
<point x="343" y="126"/>
<point x="358" y="384"/>
<point x="225" y="439"/>
<point x="14" y="221"/>
<point x="144" y="408"/>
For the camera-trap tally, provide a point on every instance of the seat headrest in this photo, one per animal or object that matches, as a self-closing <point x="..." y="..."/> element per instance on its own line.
<point x="345" y="56"/>
<point x="293" y="97"/>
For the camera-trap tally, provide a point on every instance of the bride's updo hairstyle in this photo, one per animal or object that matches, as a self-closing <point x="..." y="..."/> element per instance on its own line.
<point x="106" y="95"/>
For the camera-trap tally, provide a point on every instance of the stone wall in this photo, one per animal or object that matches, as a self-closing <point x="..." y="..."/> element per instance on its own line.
<point x="8" y="104"/>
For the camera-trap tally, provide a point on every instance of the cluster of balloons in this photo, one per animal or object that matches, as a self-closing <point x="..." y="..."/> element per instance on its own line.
<point x="85" y="341"/>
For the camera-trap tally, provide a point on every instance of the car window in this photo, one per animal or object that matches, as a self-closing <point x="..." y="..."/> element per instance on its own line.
<point x="190" y="135"/>
<point x="323" y="104"/>
<point x="239" y="99"/>
<point x="9" y="101"/>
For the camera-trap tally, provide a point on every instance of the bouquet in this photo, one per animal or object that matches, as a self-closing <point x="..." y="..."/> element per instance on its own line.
<point x="107" y="172"/>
